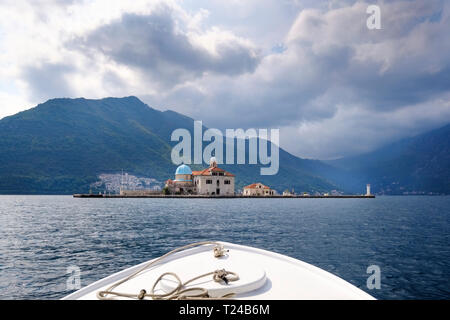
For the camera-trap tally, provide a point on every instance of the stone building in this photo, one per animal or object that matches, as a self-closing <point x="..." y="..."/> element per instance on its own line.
<point x="258" y="189"/>
<point x="210" y="181"/>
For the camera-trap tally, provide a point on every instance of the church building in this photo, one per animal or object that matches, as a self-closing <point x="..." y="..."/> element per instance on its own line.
<point x="210" y="181"/>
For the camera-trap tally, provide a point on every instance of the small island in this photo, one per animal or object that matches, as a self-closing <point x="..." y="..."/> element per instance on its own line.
<point x="212" y="182"/>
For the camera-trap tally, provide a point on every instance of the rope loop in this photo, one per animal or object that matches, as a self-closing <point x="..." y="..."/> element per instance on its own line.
<point x="180" y="292"/>
<point x="221" y="275"/>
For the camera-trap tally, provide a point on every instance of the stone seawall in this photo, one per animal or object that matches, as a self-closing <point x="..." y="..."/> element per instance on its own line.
<point x="221" y="196"/>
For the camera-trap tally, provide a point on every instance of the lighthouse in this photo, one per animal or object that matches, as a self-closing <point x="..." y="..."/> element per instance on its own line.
<point x="368" y="190"/>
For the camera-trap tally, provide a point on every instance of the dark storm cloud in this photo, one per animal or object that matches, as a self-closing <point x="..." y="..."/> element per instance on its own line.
<point x="48" y="80"/>
<point x="391" y="91"/>
<point x="336" y="78"/>
<point x="155" y="45"/>
<point x="331" y="59"/>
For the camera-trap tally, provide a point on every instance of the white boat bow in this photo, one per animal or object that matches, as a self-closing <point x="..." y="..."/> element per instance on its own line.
<point x="239" y="271"/>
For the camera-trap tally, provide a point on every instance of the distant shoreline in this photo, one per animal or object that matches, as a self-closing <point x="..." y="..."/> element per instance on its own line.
<point x="97" y="196"/>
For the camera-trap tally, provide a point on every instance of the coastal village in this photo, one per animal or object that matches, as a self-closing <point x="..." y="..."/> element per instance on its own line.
<point x="212" y="181"/>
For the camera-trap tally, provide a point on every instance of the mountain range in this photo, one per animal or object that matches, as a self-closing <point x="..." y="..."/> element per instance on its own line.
<point x="417" y="165"/>
<point x="63" y="145"/>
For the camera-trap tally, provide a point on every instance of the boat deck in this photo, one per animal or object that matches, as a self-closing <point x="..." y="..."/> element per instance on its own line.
<point x="262" y="275"/>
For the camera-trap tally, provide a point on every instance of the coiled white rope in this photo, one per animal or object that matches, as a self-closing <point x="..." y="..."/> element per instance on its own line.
<point x="180" y="292"/>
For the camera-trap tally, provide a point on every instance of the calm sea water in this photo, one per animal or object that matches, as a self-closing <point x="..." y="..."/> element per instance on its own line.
<point x="407" y="237"/>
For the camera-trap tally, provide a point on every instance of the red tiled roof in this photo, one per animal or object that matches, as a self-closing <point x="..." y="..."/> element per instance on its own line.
<point x="208" y="172"/>
<point x="255" y="186"/>
<point x="198" y="173"/>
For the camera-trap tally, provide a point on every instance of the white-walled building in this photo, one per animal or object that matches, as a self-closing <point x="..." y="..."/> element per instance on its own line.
<point x="214" y="180"/>
<point x="258" y="189"/>
<point x="210" y="181"/>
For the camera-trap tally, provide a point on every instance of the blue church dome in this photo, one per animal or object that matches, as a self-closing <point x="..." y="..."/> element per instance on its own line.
<point x="183" y="169"/>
